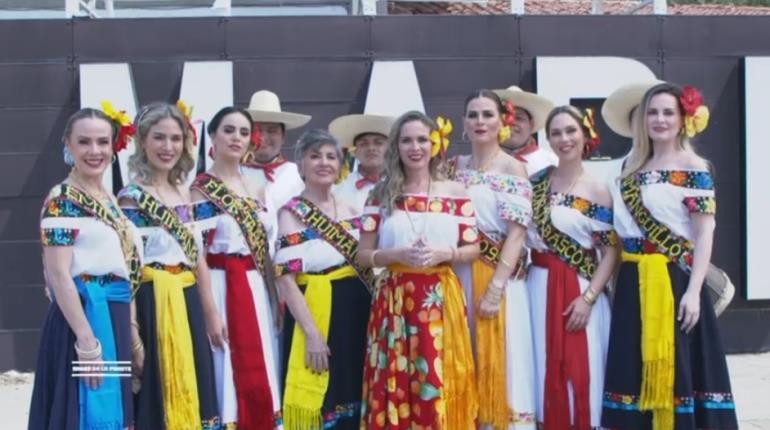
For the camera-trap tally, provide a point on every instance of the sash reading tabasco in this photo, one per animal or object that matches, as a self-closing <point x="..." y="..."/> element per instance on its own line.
<point x="676" y="248"/>
<point x="568" y="249"/>
<point x="165" y="217"/>
<point x="490" y="254"/>
<point x="246" y="216"/>
<point x="332" y="232"/>
<point x="117" y="223"/>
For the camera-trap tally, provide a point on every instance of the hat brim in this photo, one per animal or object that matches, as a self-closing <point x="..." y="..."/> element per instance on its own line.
<point x="617" y="108"/>
<point x="289" y="119"/>
<point x="346" y="128"/>
<point x="538" y="107"/>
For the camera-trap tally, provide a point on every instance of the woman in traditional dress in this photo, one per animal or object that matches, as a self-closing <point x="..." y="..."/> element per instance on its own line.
<point x="177" y="375"/>
<point x="665" y="364"/>
<point x="498" y="306"/>
<point x="419" y="370"/>
<point x="235" y="227"/>
<point x="91" y="255"/>
<point x="573" y="256"/>
<point x="324" y="335"/>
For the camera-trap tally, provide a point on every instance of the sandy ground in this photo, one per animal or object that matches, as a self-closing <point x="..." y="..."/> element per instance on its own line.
<point x="750" y="375"/>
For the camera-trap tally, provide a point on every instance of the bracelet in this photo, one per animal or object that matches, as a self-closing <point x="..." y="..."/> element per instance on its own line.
<point x="135" y="324"/>
<point x="89" y="355"/>
<point x="589" y="296"/>
<point x="371" y="257"/>
<point x="505" y="263"/>
<point x="137" y="346"/>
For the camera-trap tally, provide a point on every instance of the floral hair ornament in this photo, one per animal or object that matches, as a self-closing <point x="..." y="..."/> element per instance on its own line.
<point x="187" y="113"/>
<point x="696" y="114"/>
<point x="509" y="118"/>
<point x="593" y="137"/>
<point x="256" y="136"/>
<point x="348" y="161"/>
<point x="126" y="129"/>
<point x="440" y="137"/>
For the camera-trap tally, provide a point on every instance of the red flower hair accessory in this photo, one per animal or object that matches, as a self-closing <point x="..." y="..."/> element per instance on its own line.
<point x="256" y="136"/>
<point x="696" y="114"/>
<point x="592" y="140"/>
<point x="508" y="118"/>
<point x="126" y="129"/>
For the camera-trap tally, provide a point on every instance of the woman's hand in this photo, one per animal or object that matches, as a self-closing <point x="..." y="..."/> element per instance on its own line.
<point x="579" y="312"/>
<point x="216" y="330"/>
<point x="317" y="352"/>
<point x="90" y="344"/>
<point x="489" y="305"/>
<point x="689" y="310"/>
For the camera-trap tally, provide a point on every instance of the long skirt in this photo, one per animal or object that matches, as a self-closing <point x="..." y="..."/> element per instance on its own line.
<point x="419" y="370"/>
<point x="150" y="402"/>
<point x="347" y="341"/>
<point x="702" y="394"/>
<point x="597" y="337"/>
<point x="519" y="354"/>
<point x="228" y="374"/>
<point x="56" y="398"/>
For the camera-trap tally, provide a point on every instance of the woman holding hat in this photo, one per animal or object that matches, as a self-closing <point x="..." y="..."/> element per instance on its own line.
<point x="327" y="293"/>
<point x="230" y="210"/>
<point x="177" y="374"/>
<point x="91" y="255"/>
<point x="573" y="256"/>
<point x="419" y="370"/>
<point x="665" y="364"/>
<point x="530" y="112"/>
<point x="365" y="137"/>
<point x="265" y="162"/>
<point x="498" y="307"/>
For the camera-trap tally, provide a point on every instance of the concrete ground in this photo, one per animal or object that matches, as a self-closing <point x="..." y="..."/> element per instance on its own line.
<point x="750" y="374"/>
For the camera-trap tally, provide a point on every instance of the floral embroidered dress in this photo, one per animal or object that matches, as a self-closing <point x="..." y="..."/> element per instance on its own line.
<point x="699" y="397"/>
<point x="100" y="273"/>
<point x="229" y="258"/>
<point x="590" y="225"/>
<point x="500" y="199"/>
<point x="178" y="384"/>
<point x="419" y="370"/>
<point x="314" y="261"/>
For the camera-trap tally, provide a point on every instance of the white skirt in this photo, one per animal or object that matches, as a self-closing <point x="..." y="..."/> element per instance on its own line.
<point x="223" y="368"/>
<point x="597" y="336"/>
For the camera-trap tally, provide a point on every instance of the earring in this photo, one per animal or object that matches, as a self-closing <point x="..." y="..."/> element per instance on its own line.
<point x="464" y="136"/>
<point x="114" y="158"/>
<point x="68" y="160"/>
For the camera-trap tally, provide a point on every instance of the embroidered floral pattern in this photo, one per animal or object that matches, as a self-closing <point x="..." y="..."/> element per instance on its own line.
<point x="701" y="204"/>
<point x="370" y="223"/>
<point x="714" y="400"/>
<point x="682" y="405"/>
<point x="638" y="245"/>
<point x="100" y="279"/>
<point x="58" y="236"/>
<point x="61" y="207"/>
<point x="291" y="266"/>
<point x="695" y="179"/>
<point x="517" y="417"/>
<point x="307" y="234"/>
<point x="604" y="238"/>
<point x="497" y="182"/>
<point x="340" y="412"/>
<point x="458" y="206"/>
<point x="513" y="212"/>
<point x="205" y="210"/>
<point x="586" y="207"/>
<point x="468" y="234"/>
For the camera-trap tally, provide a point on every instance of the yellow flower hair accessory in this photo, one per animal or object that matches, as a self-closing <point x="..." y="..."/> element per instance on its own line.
<point x="592" y="140"/>
<point x="696" y="114"/>
<point x="187" y="112"/>
<point x="126" y="128"/>
<point x="440" y="137"/>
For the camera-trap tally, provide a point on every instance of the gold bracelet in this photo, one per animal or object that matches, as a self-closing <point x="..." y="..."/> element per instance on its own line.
<point x="371" y="257"/>
<point x="589" y="296"/>
<point x="505" y="263"/>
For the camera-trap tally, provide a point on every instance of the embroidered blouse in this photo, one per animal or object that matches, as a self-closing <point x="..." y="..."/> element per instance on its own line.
<point x="304" y="251"/>
<point x="222" y="234"/>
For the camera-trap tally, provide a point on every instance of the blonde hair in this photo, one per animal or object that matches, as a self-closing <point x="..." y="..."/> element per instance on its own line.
<point x="138" y="165"/>
<point x="642" y="149"/>
<point x="391" y="188"/>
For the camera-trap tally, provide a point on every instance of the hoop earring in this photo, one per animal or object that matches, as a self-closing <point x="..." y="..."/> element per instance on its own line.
<point x="67" y="155"/>
<point x="464" y="136"/>
<point x="114" y="158"/>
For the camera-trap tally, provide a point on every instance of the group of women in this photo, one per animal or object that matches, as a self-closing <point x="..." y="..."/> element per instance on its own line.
<point x="466" y="295"/>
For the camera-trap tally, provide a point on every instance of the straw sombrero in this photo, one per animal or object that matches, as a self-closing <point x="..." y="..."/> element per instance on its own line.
<point x="266" y="107"/>
<point x="347" y="127"/>
<point x="538" y="107"/>
<point x="616" y="110"/>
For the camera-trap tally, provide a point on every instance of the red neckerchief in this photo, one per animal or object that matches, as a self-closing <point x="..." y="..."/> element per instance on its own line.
<point x="267" y="168"/>
<point x="370" y="179"/>
<point x="529" y="148"/>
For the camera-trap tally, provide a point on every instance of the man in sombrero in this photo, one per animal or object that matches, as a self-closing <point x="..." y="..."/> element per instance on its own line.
<point x="279" y="176"/>
<point x="364" y="138"/>
<point x="530" y="113"/>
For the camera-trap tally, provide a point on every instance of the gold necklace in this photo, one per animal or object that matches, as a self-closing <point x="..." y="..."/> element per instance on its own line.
<point x="486" y="165"/>
<point x="572" y="185"/>
<point x="99" y="195"/>
<point x="421" y="239"/>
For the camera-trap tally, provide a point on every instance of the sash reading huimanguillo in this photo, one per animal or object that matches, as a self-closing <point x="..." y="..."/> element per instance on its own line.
<point x="97" y="210"/>
<point x="568" y="249"/>
<point x="245" y="215"/>
<point x="676" y="248"/>
<point x="333" y="233"/>
<point x="166" y="218"/>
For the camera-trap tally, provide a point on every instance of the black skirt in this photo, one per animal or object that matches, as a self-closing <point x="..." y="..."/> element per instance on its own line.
<point x="702" y="395"/>
<point x="55" y="394"/>
<point x="149" y="400"/>
<point x="347" y="341"/>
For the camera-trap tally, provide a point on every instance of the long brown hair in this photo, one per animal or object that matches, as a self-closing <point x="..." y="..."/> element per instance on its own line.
<point x="390" y="188"/>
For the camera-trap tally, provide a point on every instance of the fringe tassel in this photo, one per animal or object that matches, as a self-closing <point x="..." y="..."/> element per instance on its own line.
<point x="657" y="393"/>
<point x="296" y="417"/>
